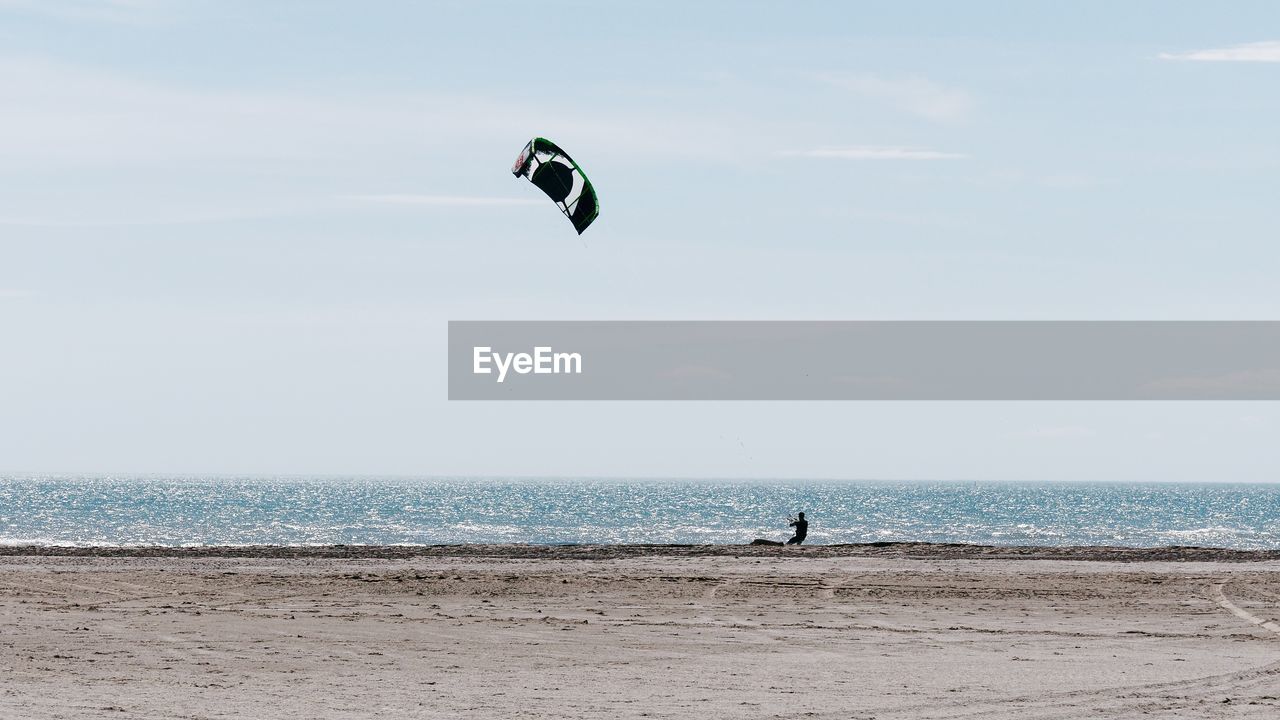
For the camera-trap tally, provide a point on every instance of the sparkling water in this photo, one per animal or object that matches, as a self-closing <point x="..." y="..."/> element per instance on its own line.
<point x="393" y="511"/>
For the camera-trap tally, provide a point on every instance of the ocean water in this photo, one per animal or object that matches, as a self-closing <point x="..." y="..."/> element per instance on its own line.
<point x="291" y="511"/>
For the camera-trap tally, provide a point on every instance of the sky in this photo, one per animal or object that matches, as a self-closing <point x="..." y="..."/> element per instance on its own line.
<point x="232" y="233"/>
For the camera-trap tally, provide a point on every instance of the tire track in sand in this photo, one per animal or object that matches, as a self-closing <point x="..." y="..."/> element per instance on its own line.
<point x="1166" y="697"/>
<point x="1222" y="600"/>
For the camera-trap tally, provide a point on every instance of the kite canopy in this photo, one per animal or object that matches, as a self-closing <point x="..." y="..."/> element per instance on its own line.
<point x="552" y="170"/>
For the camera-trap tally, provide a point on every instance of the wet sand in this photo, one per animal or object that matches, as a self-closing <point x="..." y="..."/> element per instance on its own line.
<point x="887" y="631"/>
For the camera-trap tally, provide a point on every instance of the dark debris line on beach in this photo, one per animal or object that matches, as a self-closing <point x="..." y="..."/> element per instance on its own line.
<point x="924" y="551"/>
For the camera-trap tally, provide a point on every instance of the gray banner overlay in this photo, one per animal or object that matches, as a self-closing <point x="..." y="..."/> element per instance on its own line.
<point x="864" y="360"/>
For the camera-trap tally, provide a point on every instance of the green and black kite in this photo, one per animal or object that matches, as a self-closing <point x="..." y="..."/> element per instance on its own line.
<point x="552" y="170"/>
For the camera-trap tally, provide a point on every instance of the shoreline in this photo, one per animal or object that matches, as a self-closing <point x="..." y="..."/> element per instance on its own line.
<point x="902" y="550"/>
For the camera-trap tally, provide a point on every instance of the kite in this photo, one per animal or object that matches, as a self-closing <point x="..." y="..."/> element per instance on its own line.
<point x="552" y="170"/>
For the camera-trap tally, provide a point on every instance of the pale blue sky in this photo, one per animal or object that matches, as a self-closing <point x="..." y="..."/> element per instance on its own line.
<point x="231" y="233"/>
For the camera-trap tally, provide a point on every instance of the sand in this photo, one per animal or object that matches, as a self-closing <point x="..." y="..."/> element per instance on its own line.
<point x="903" y="631"/>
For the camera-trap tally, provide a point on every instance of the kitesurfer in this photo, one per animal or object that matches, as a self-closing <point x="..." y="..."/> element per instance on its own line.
<point x="802" y="529"/>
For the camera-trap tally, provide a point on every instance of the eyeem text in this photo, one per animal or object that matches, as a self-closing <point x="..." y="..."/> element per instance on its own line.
<point x="542" y="361"/>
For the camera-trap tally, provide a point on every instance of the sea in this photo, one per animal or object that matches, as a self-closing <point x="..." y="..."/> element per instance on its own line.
<point x="237" y="511"/>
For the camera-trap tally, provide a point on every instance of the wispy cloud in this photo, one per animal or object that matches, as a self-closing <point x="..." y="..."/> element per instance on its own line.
<point x="79" y="116"/>
<point x="71" y="115"/>
<point x="915" y="95"/>
<point x="191" y="151"/>
<point x="1250" y="52"/>
<point x="158" y="218"/>
<point x="110" y="11"/>
<point x="442" y="200"/>
<point x="1060" y="432"/>
<point x="876" y="152"/>
<point x="13" y="293"/>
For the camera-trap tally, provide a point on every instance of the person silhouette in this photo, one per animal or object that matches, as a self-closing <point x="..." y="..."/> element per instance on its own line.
<point x="802" y="528"/>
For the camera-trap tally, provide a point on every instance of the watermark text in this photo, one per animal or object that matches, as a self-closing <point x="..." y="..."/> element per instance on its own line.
<point x="542" y="361"/>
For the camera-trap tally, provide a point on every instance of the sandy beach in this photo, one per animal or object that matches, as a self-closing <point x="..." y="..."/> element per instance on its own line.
<point x="891" y="631"/>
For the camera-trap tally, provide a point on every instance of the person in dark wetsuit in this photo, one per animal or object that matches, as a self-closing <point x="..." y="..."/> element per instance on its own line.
<point x="802" y="528"/>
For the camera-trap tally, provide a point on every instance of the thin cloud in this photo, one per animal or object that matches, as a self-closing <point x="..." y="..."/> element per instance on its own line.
<point x="1062" y="432"/>
<point x="876" y="152"/>
<point x="61" y="118"/>
<point x="442" y="200"/>
<point x="1250" y="52"/>
<point x="159" y="220"/>
<point x="77" y="116"/>
<point x="109" y="11"/>
<point x="914" y="95"/>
